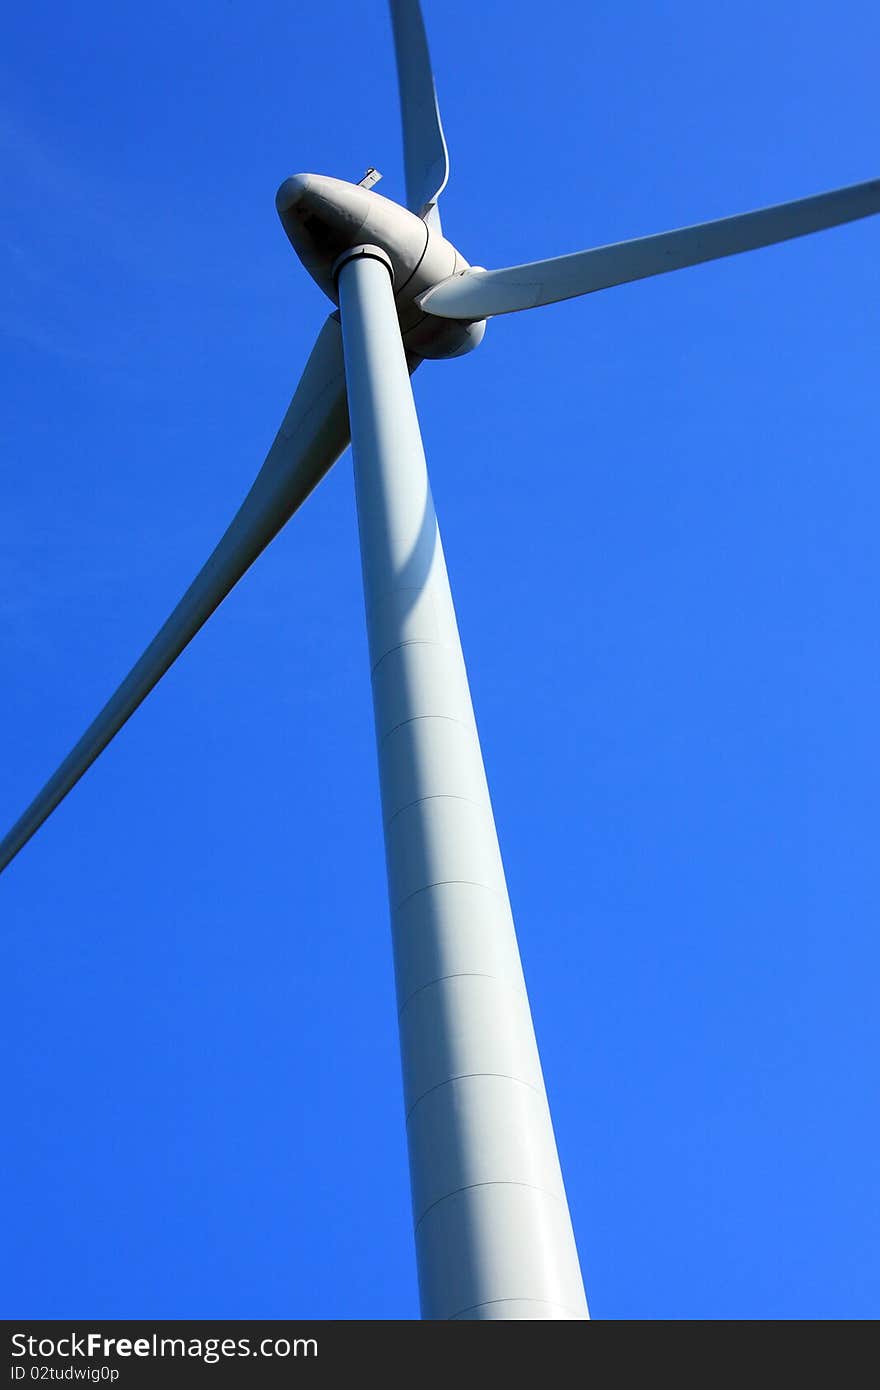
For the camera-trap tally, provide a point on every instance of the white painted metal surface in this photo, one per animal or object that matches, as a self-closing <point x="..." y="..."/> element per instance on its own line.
<point x="493" y="1234"/>
<point x="322" y="217"/>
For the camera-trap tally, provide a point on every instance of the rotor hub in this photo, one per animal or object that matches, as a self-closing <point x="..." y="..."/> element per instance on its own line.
<point x="325" y="217"/>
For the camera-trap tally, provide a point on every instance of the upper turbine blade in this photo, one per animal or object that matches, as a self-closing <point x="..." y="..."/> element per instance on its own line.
<point x="313" y="434"/>
<point x="426" y="161"/>
<point x="477" y="294"/>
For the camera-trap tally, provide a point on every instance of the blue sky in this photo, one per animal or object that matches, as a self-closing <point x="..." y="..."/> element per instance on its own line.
<point x="660" y="507"/>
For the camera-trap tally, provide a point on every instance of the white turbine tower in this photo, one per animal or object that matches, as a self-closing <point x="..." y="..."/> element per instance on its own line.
<point x="493" y="1234"/>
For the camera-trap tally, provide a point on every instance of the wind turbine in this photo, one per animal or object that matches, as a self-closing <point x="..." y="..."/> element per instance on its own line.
<point x="494" y="1252"/>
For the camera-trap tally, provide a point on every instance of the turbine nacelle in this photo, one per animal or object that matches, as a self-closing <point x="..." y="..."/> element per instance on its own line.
<point x="324" y="217"/>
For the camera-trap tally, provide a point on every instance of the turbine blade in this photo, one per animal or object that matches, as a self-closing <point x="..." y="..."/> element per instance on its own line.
<point x="425" y="158"/>
<point x="313" y="434"/>
<point x="477" y="294"/>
